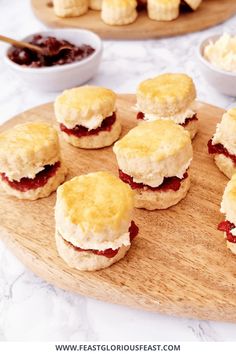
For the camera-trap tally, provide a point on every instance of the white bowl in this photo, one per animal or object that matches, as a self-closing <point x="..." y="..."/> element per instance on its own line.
<point x="222" y="81"/>
<point x="60" y="77"/>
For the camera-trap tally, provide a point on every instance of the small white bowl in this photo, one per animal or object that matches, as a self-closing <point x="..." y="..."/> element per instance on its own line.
<point x="60" y="77"/>
<point x="222" y="81"/>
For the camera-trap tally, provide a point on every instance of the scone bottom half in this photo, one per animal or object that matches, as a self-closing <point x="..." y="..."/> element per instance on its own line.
<point x="30" y="161"/>
<point x="169" y="96"/>
<point x="228" y="207"/>
<point x="87" y="117"/>
<point x="94" y="226"/>
<point x="157" y="167"/>
<point x="222" y="145"/>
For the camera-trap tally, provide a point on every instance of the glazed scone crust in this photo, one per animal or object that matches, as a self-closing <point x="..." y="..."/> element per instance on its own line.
<point x="152" y="200"/>
<point x="40" y="192"/>
<point x="167" y="152"/>
<point x="100" y="140"/>
<point x="228" y="204"/>
<point x="163" y="10"/>
<point x="225" y="165"/>
<point x="166" y="94"/>
<point x="86" y="261"/>
<point x="100" y="215"/>
<point x="27" y="148"/>
<point x="87" y="106"/>
<point x="226" y="131"/>
<point x="70" y="8"/>
<point x="119" y="12"/>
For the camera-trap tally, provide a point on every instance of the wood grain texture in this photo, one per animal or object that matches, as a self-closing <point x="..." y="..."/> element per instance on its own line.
<point x="178" y="264"/>
<point x="210" y="13"/>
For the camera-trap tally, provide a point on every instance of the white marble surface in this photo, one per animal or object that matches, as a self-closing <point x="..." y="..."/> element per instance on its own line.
<point x="31" y="309"/>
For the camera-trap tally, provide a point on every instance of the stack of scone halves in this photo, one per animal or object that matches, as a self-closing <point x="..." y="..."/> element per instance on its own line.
<point x="153" y="159"/>
<point x="87" y="117"/>
<point x="223" y="144"/>
<point x="228" y="207"/>
<point x="30" y="161"/>
<point x="94" y="226"/>
<point x="168" y="97"/>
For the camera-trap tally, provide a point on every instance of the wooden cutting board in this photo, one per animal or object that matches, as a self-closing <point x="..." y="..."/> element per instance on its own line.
<point x="178" y="264"/>
<point x="210" y="13"/>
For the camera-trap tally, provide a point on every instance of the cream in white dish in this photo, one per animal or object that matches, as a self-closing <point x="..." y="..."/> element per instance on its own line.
<point x="222" y="53"/>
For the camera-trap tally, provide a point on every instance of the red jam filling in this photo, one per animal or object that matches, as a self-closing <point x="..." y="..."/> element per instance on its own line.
<point x="169" y="183"/>
<point x="110" y="253"/>
<point x="80" y="131"/>
<point x="220" y="149"/>
<point x="40" y="179"/>
<point x="27" y="57"/>
<point x="227" y="226"/>
<point x="140" y="115"/>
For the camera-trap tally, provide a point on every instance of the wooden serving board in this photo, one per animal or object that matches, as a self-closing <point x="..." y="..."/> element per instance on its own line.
<point x="178" y="264"/>
<point x="210" y="13"/>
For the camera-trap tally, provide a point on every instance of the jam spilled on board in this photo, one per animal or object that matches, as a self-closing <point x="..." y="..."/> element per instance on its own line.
<point x="27" y="57"/>
<point x="169" y="183"/>
<point x="226" y="227"/>
<point x="109" y="253"/>
<point x="39" y="180"/>
<point x="80" y="131"/>
<point x="220" y="149"/>
<point x="140" y="116"/>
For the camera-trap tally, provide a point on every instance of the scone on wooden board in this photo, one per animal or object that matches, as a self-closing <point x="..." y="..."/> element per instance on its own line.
<point x="95" y="4"/>
<point x="228" y="207"/>
<point x="194" y="4"/>
<point x="70" y="8"/>
<point x="154" y="158"/>
<point x="87" y="117"/>
<point x="94" y="226"/>
<point x="119" y="12"/>
<point x="168" y="97"/>
<point x="163" y="10"/>
<point x="30" y="161"/>
<point x="223" y="144"/>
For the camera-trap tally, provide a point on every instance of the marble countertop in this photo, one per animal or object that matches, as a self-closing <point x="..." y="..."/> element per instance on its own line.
<point x="31" y="309"/>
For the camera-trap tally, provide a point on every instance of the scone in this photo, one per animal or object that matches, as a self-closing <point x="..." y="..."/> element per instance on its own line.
<point x="228" y="207"/>
<point x="87" y="117"/>
<point x="163" y="10"/>
<point x="154" y="158"/>
<point x="70" y="8"/>
<point x="119" y="12"/>
<point x="30" y="161"/>
<point x="95" y="4"/>
<point x="223" y="144"/>
<point x="194" y="4"/>
<point x="94" y="226"/>
<point x="168" y="97"/>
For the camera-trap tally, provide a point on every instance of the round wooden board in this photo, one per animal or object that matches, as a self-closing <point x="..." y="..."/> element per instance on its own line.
<point x="178" y="264"/>
<point x="210" y="13"/>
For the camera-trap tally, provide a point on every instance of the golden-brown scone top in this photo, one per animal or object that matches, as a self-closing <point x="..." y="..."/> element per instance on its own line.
<point x="158" y="140"/>
<point x="166" y="94"/>
<point x="95" y="201"/>
<point x="120" y="3"/>
<point x="81" y="104"/>
<point x="27" y="145"/>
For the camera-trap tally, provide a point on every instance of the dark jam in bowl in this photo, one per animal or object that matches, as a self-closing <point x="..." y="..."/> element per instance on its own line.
<point x="26" y="57"/>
